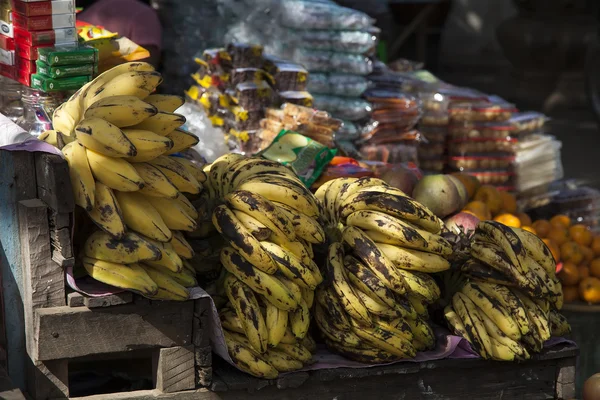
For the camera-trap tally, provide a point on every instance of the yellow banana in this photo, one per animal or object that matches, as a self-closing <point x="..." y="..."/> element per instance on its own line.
<point x="191" y="167"/>
<point x="82" y="179"/>
<point x="161" y="123"/>
<point x="290" y="266"/>
<point x="342" y="336"/>
<point x="131" y="277"/>
<point x="131" y="249"/>
<point x="156" y="183"/>
<point x="136" y="83"/>
<point x="169" y="260"/>
<point x="177" y="174"/>
<point x="115" y="173"/>
<point x="121" y="111"/>
<point x="277" y="323"/>
<point x="105" y="138"/>
<point x="165" y="102"/>
<point x="182" y="140"/>
<point x="148" y="144"/>
<point x="248" y="359"/>
<point x="307" y="228"/>
<point x="255" y="227"/>
<point x="414" y="260"/>
<point x="181" y="246"/>
<point x="300" y="320"/>
<point x="107" y="214"/>
<point x="173" y="215"/>
<point x="142" y="217"/>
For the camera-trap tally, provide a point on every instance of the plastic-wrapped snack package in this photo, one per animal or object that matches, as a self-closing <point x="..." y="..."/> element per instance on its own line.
<point x="349" y="131"/>
<point x="245" y="142"/>
<point x="345" y="85"/>
<point x="384" y="134"/>
<point x="275" y="114"/>
<point x="271" y="125"/>
<point x="245" y="56"/>
<point x="481" y="163"/>
<point x="434" y="102"/>
<point x="404" y="65"/>
<point x="240" y="119"/>
<point x="213" y="100"/>
<point x="355" y="42"/>
<point x="327" y="61"/>
<point x="303" y="14"/>
<point x="434" y="118"/>
<point x="481" y="112"/>
<point x="300" y="98"/>
<point x="254" y="96"/>
<point x="302" y="115"/>
<point x="306" y="157"/>
<point x="391" y="99"/>
<point x="482" y="130"/>
<point x="390" y="153"/>
<point x="528" y="122"/>
<point x="352" y="109"/>
<point x="473" y="147"/>
<point x="241" y="75"/>
<point x="432" y="166"/>
<point x="211" y="144"/>
<point x="431" y="151"/>
<point x="287" y="76"/>
<point x="217" y="61"/>
<point x="434" y="134"/>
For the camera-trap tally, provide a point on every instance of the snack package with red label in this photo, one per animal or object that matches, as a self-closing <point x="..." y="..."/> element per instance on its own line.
<point x="477" y="147"/>
<point x="38" y="8"/>
<point x="30" y="52"/>
<point x="44" y="22"/>
<point x="482" y="112"/>
<point x="7" y="43"/>
<point x="25" y="65"/>
<point x="392" y="153"/>
<point x="9" y="71"/>
<point x="52" y="36"/>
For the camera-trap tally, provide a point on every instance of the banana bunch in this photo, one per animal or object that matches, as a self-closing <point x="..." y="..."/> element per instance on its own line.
<point x="375" y="309"/>
<point x="507" y="306"/>
<point x="268" y="222"/>
<point x="119" y="140"/>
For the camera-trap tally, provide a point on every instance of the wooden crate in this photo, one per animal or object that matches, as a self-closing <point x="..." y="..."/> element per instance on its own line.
<point x="550" y="375"/>
<point x="47" y="328"/>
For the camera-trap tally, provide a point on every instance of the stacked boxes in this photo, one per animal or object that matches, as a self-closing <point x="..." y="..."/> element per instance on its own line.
<point x="48" y="28"/>
<point x="7" y="42"/>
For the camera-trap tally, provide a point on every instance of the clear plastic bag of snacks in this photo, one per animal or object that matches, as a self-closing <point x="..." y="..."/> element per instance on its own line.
<point x="503" y="180"/>
<point x="481" y="112"/>
<point x="301" y="14"/>
<point x="434" y="102"/>
<point x="528" y="122"/>
<point x="345" y="85"/>
<point x="481" y="163"/>
<point x="392" y="153"/>
<point x="430" y="151"/>
<point x="434" y="118"/>
<point x="474" y="147"/>
<point x="435" y="165"/>
<point x="352" y="109"/>
<point x="330" y="61"/>
<point x="382" y="133"/>
<point x="355" y="42"/>
<point x="482" y="130"/>
<point x="434" y="134"/>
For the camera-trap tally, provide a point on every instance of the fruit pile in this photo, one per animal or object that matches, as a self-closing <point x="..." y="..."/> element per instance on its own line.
<point x="119" y="141"/>
<point x="373" y="307"/>
<point x="578" y="249"/>
<point x="269" y="222"/>
<point x="509" y="305"/>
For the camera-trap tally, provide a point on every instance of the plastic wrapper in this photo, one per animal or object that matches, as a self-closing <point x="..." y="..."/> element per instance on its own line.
<point x="431" y="151"/>
<point x="329" y="61"/>
<point x="481" y="112"/>
<point x="503" y="180"/>
<point x="241" y="75"/>
<point x="345" y="85"/>
<point x="247" y="142"/>
<point x="245" y="56"/>
<point x="481" y="147"/>
<point x="482" y="130"/>
<point x="538" y="161"/>
<point x="356" y="42"/>
<point x="316" y="15"/>
<point x="345" y="108"/>
<point x="343" y="170"/>
<point x="381" y="134"/>
<point x="288" y="76"/>
<point x="217" y="61"/>
<point x="435" y="118"/>
<point x="404" y="65"/>
<point x="254" y="96"/>
<point x="306" y="157"/>
<point x="481" y="163"/>
<point x="308" y="115"/>
<point x="528" y="122"/>
<point x="211" y="143"/>
<point x="434" y="102"/>
<point x="300" y="98"/>
<point x="240" y="119"/>
<point x="434" y="134"/>
<point x="390" y="153"/>
<point x="348" y="131"/>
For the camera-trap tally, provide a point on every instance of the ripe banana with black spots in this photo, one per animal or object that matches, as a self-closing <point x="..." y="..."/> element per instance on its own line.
<point x="300" y="320"/>
<point x="254" y="227"/>
<point x="558" y="324"/>
<point x="106" y="213"/>
<point x="194" y="169"/>
<point x="507" y="240"/>
<point x="137" y="83"/>
<point x="121" y="111"/>
<point x="62" y="121"/>
<point x="306" y="228"/>
<point x="231" y="322"/>
<point x="342" y="336"/>
<point x="116" y="173"/>
<point x="183" y="278"/>
<point x="142" y="217"/>
<point x="174" y="216"/>
<point x="130" y="249"/>
<point x="327" y="298"/>
<point x="105" y="138"/>
<point x="291" y="266"/>
<point x="248" y="359"/>
<point x="537" y="250"/>
<point x="277" y="323"/>
<point x="156" y="183"/>
<point x="131" y="277"/>
<point x="165" y="102"/>
<point x="467" y="312"/>
<point x="161" y="123"/>
<point x="414" y="260"/>
<point x="149" y="145"/>
<point x="82" y="179"/>
<point x="169" y="260"/>
<point x="363" y="353"/>
<point x="366" y="281"/>
<point x="385" y="339"/>
<point x="181" y="245"/>
<point x="177" y="174"/>
<point x="297" y="351"/>
<point x="182" y="140"/>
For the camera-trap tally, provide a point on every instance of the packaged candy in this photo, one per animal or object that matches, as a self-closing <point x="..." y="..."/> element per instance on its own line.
<point x="65" y="71"/>
<point x="216" y="61"/>
<point x="68" y="55"/>
<point x="482" y="130"/>
<point x="434" y="102"/>
<point x="52" y="36"/>
<point x="435" y="165"/>
<point x="245" y="56"/>
<point x="503" y="180"/>
<point x="433" y="118"/>
<point x="481" y="163"/>
<point x="306" y="157"/>
<point x="304" y="115"/>
<point x="38" y="8"/>
<point x="383" y="134"/>
<point x="345" y="85"/>
<point x="356" y="42"/>
<point x="240" y="75"/>
<point x="241" y="119"/>
<point x="327" y="61"/>
<point x="468" y="147"/>
<point x="528" y="122"/>
<point x="300" y="98"/>
<point x="352" y="109"/>
<point x="481" y="112"/>
<point x="311" y="15"/>
<point x="44" y="22"/>
<point x="348" y="131"/>
<point x="253" y="96"/>
<point x="46" y="84"/>
<point x="431" y="151"/>
<point x="288" y="76"/>
<point x="7" y="43"/>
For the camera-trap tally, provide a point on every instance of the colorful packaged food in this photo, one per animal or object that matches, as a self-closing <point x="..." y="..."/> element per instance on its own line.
<point x="68" y="55"/>
<point x="24" y="77"/>
<point x="52" y="36"/>
<point x="7" y="57"/>
<point x="240" y="75"/>
<point x="253" y="96"/>
<point x="9" y="71"/>
<point x="275" y="114"/>
<point x="481" y="163"/>
<point x="434" y="101"/>
<point x="466" y="147"/>
<point x="7" y="43"/>
<point x="245" y="56"/>
<point x="34" y="9"/>
<point x="431" y="151"/>
<point x="305" y="115"/>
<point x="502" y="180"/>
<point x="30" y="52"/>
<point x="271" y="125"/>
<point x="481" y="112"/>
<point x="44" y="22"/>
<point x="482" y="130"/>
<point x="25" y="65"/>
<point x="65" y="71"/>
<point x="300" y="98"/>
<point x="435" y="165"/>
<point x="216" y="60"/>
<point x="326" y="61"/>
<point x="348" y="131"/>
<point x="58" y="85"/>
<point x="306" y="157"/>
<point x="346" y="85"/>
<point x="434" y="118"/>
<point x="528" y="122"/>
<point x="384" y="134"/>
<point x="6" y="28"/>
<point x="288" y="76"/>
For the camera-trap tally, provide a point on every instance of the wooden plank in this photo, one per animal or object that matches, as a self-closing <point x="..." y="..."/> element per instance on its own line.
<point x="48" y="380"/>
<point x="54" y="182"/>
<point x="108" y="301"/>
<point x="203" y="356"/>
<point x="17" y="182"/>
<point x="43" y="280"/>
<point x="204" y="376"/>
<point x="565" y="378"/>
<point x="175" y="370"/>
<point x="201" y="322"/>
<point x="65" y="332"/>
<point x="200" y="394"/>
<point x="75" y="299"/>
<point x="60" y="238"/>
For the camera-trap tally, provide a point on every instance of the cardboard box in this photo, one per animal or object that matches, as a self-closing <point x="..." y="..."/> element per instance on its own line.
<point x="7" y="57"/>
<point x="58" y="85"/>
<point x="52" y="36"/>
<point x="65" y="71"/>
<point x="24" y="78"/>
<point x="25" y="65"/>
<point x="9" y="71"/>
<point x="38" y="8"/>
<point x="68" y="55"/>
<point x="7" y="43"/>
<point x="6" y="28"/>
<point x="44" y="22"/>
<point x="29" y="52"/>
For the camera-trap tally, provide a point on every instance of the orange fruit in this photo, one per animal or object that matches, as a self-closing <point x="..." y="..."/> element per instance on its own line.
<point x="570" y="252"/>
<point x="554" y="248"/>
<point x="595" y="268"/>
<point x="508" y="220"/>
<point x="596" y="245"/>
<point x="491" y="197"/>
<point x="509" y="202"/>
<point x="589" y="290"/>
<point x="525" y="219"/>
<point x="542" y="227"/>
<point x="569" y="275"/>
<point x="529" y="229"/>
<point x="559" y="235"/>
<point x="581" y="234"/>
<point x="471" y="183"/>
<point x="588" y="254"/>
<point x="479" y="209"/>
<point x="570" y="294"/>
<point x="584" y="271"/>
<point x="560" y="220"/>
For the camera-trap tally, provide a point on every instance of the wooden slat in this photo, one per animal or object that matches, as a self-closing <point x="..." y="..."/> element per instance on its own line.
<point x="200" y="394"/>
<point x="60" y="238"/>
<point x="175" y="370"/>
<point x="67" y="332"/>
<point x="17" y="182"/>
<point x="48" y="379"/>
<point x="54" y="182"/>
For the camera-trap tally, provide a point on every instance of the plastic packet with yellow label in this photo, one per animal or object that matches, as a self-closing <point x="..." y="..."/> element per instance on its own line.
<point x="306" y="157"/>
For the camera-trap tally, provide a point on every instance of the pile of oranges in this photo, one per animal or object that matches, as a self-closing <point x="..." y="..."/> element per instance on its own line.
<point x="579" y="251"/>
<point x="490" y="203"/>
